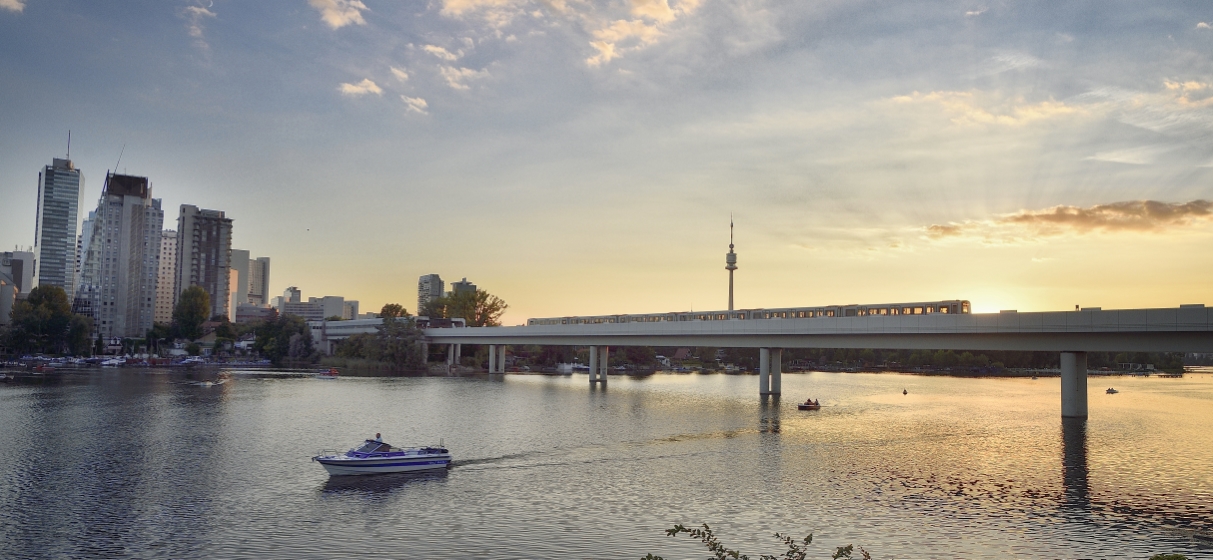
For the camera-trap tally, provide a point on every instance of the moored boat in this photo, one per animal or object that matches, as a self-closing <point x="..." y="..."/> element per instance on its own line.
<point x="1112" y="391"/>
<point x="376" y="457"/>
<point x="332" y="373"/>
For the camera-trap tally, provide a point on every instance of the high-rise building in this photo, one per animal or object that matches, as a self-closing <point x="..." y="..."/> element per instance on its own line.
<point x="259" y="281"/>
<point x="462" y="286"/>
<point x="59" y="187"/>
<point x="166" y="274"/>
<point x="429" y="288"/>
<point x="292" y="295"/>
<point x="204" y="253"/>
<point x="119" y="270"/>
<point x="351" y="310"/>
<point x="240" y="273"/>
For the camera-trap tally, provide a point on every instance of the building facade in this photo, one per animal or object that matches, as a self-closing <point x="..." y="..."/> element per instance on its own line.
<point x="204" y="252"/>
<point x="166" y="274"/>
<point x="119" y="271"/>
<point x="429" y="288"/>
<point x="60" y="185"/>
<point x="19" y="266"/>
<point x="240" y="278"/>
<point x="259" y="281"/>
<point x="462" y="286"/>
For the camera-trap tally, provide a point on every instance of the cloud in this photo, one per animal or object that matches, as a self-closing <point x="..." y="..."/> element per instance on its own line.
<point x="400" y="74"/>
<point x="637" y="33"/>
<point x="1141" y="155"/>
<point x="340" y="13"/>
<point x="974" y="13"/>
<point x="1202" y="25"/>
<point x="441" y="53"/>
<point x="361" y="88"/>
<point x="980" y="108"/>
<point x="415" y="104"/>
<point x="1128" y="216"/>
<point x="455" y="77"/>
<point x="194" y="16"/>
<point x="13" y="5"/>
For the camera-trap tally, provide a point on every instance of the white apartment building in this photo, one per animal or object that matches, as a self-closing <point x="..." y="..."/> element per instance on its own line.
<point x="166" y="274"/>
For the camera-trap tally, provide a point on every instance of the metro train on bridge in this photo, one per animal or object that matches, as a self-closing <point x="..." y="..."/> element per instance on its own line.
<point x="953" y="307"/>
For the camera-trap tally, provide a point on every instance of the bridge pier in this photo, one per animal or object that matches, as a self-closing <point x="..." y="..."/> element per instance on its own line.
<point x="599" y="361"/>
<point x="492" y="358"/>
<point x="1073" y="384"/>
<point x="501" y="358"/>
<point x="496" y="358"/>
<point x="770" y="371"/>
<point x="452" y="356"/>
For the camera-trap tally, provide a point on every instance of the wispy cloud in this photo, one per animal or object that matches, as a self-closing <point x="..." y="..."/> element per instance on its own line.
<point x="400" y="74"/>
<point x="974" y="13"/>
<point x="340" y="13"/>
<point x="415" y="104"/>
<point x="1127" y="216"/>
<point x="441" y="53"/>
<point x="456" y="77"/>
<point x="978" y="108"/>
<point x="194" y="16"/>
<point x="13" y="5"/>
<point x="1202" y="25"/>
<point x="361" y="88"/>
<point x="1140" y="155"/>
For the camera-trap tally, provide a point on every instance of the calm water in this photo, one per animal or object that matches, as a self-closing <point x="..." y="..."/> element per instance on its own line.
<point x="136" y="464"/>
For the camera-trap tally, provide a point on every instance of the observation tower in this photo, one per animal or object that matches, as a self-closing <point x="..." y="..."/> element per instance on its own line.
<point x="730" y="263"/>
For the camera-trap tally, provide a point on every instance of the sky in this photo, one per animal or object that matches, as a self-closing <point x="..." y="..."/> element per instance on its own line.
<point x="578" y="157"/>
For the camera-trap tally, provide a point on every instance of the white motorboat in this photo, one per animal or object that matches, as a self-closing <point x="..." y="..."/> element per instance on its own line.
<point x="113" y="362"/>
<point x="376" y="457"/>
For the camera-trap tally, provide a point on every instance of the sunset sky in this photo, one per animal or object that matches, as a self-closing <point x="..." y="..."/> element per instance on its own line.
<point x="584" y="157"/>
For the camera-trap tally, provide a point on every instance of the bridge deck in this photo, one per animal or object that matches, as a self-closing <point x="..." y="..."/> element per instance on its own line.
<point x="1187" y="329"/>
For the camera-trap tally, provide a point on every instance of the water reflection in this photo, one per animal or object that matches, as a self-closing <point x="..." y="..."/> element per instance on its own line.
<point x="379" y="484"/>
<point x="768" y="414"/>
<point x="1074" y="464"/>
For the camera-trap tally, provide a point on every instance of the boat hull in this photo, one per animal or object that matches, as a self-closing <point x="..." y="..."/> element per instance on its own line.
<point x="808" y="406"/>
<point x="340" y="466"/>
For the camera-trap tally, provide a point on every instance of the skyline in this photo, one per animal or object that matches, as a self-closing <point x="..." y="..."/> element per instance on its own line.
<point x="583" y="158"/>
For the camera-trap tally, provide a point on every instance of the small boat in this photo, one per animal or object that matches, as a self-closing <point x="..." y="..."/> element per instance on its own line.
<point x="332" y="373"/>
<point x="809" y="405"/>
<point x="905" y="392"/>
<point x="376" y="457"/>
<point x="113" y="362"/>
<point x="1112" y="391"/>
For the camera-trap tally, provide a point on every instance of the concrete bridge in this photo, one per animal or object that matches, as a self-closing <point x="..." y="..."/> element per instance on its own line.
<point x="1188" y="328"/>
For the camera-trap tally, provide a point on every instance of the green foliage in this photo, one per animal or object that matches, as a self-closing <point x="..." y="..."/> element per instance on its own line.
<point x="285" y="338"/>
<point x="80" y="335"/>
<point x="797" y="550"/>
<point x="478" y="308"/>
<point x="396" y="343"/>
<point x="334" y="318"/>
<point x="392" y="310"/>
<point x="193" y="349"/>
<point x="193" y="307"/>
<point x="44" y="322"/>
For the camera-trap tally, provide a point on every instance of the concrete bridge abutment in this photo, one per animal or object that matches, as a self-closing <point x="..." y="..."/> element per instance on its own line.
<point x="770" y="371"/>
<point x="599" y="361"/>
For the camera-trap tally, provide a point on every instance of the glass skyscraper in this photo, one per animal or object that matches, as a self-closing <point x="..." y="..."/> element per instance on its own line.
<point x="60" y="185"/>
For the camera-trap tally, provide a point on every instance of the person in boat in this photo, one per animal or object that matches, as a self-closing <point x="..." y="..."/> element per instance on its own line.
<point x="378" y="437"/>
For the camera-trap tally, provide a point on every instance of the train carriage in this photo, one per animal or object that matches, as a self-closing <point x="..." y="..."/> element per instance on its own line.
<point x="946" y="307"/>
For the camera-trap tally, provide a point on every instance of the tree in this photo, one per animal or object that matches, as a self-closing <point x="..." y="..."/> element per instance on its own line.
<point x="334" y="318"/>
<point x="193" y="307"/>
<point x="399" y="342"/>
<point x="80" y="335"/>
<point x="478" y="308"/>
<point x="42" y="323"/>
<point x="392" y="310"/>
<point x="286" y="337"/>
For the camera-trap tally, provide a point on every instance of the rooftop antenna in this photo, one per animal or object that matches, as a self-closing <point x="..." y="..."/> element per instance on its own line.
<point x="69" y="144"/>
<point x="730" y="261"/>
<point x="122" y="151"/>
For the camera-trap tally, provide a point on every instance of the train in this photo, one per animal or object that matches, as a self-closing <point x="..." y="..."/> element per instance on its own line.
<point x="952" y="307"/>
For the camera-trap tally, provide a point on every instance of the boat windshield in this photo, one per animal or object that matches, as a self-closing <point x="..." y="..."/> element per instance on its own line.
<point x="373" y="447"/>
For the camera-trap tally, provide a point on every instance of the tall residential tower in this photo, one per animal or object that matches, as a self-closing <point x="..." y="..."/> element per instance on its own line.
<point x="204" y="254"/>
<point x="429" y="288"/>
<point x="59" y="187"/>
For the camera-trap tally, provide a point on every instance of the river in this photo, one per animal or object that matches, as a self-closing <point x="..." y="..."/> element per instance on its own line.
<point x="136" y="463"/>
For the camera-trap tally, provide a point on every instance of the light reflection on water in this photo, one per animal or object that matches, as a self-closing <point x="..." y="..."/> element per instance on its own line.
<point x="135" y="463"/>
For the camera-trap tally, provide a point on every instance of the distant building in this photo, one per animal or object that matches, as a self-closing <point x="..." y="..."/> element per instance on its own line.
<point x="240" y="278"/>
<point x="259" y="281"/>
<point x="8" y="298"/>
<point x="249" y="312"/>
<point x="462" y="286"/>
<point x="120" y="269"/>
<point x="317" y="308"/>
<point x="233" y="291"/>
<point x="166" y="277"/>
<point x="19" y="266"/>
<point x="429" y="288"/>
<point x="204" y="252"/>
<point x="60" y="185"/>
<point x="292" y="295"/>
<point x="350" y="312"/>
<point x="276" y="303"/>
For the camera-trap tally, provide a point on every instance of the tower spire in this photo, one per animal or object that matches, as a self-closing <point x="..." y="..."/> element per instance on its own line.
<point x="730" y="262"/>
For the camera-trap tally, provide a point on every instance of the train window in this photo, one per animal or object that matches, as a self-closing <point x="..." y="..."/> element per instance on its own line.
<point x="830" y="313"/>
<point x="930" y="309"/>
<point x="964" y="307"/>
<point x="741" y="315"/>
<point x="918" y="311"/>
<point x="943" y="309"/>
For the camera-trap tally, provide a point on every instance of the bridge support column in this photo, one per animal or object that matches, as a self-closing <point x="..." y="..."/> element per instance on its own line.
<point x="764" y="371"/>
<point x="598" y="363"/>
<point x="501" y="358"/>
<point x="604" y="362"/>
<point x="492" y="358"/>
<point x="450" y="356"/>
<point x="776" y="365"/>
<point x="1073" y="384"/>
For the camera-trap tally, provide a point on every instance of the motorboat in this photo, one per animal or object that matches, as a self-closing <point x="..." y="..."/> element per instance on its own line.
<point x="809" y="405"/>
<point x="113" y="362"/>
<point x="1112" y="391"/>
<point x="376" y="457"/>
<point x="332" y="373"/>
